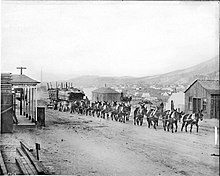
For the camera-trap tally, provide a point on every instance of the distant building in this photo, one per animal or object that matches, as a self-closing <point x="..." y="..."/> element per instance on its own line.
<point x="152" y="98"/>
<point x="165" y="94"/>
<point x="105" y="94"/>
<point x="203" y="94"/>
<point x="145" y="95"/>
<point x="88" y="92"/>
<point x="178" y="101"/>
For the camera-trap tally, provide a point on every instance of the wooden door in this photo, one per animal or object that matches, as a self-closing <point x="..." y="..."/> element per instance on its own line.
<point x="196" y="105"/>
<point x="215" y="102"/>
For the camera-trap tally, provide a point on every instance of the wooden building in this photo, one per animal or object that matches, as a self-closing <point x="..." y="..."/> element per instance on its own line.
<point x="25" y="96"/>
<point x="105" y="94"/>
<point x="6" y="118"/>
<point x="203" y="94"/>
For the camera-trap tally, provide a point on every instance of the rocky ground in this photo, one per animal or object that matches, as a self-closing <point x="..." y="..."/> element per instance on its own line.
<point x="83" y="145"/>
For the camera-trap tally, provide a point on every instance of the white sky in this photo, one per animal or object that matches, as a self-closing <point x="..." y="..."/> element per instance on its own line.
<point x="107" y="38"/>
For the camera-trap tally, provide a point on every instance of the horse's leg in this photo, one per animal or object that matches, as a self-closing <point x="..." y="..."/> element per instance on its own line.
<point x="150" y="123"/>
<point x="168" y="126"/>
<point x="191" y="127"/>
<point x="172" y="127"/>
<point x="182" y="126"/>
<point x="165" y="125"/>
<point x="148" y="120"/>
<point x="197" y="125"/>
<point x="176" y="126"/>
<point x="155" y="123"/>
<point x="115" y="116"/>
<point x="164" y="128"/>
<point x="186" y="126"/>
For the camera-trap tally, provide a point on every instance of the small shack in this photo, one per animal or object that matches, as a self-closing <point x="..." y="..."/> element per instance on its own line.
<point x="105" y="94"/>
<point x="178" y="101"/>
<point x="203" y="94"/>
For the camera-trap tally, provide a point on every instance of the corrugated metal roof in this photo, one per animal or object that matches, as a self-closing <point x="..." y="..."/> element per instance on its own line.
<point x="105" y="90"/>
<point x="23" y="79"/>
<point x="212" y="86"/>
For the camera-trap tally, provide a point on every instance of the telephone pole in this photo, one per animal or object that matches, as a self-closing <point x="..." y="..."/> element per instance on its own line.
<point x="41" y="78"/>
<point x="21" y="68"/>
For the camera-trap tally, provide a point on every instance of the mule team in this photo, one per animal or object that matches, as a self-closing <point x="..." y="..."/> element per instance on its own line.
<point x="120" y="111"/>
<point x="116" y="111"/>
<point x="169" y="118"/>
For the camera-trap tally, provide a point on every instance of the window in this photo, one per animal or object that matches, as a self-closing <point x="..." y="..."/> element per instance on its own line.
<point x="190" y="104"/>
<point x="204" y="104"/>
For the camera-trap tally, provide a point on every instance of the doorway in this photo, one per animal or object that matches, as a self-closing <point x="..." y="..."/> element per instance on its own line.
<point x="196" y="105"/>
<point x="215" y="102"/>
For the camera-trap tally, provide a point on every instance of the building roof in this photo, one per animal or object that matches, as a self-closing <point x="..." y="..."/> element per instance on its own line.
<point x="105" y="90"/>
<point x="212" y="86"/>
<point x="145" y="95"/>
<point x="23" y="79"/>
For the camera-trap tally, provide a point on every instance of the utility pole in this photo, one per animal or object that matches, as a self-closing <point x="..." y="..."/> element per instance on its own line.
<point x="21" y="68"/>
<point x="41" y="78"/>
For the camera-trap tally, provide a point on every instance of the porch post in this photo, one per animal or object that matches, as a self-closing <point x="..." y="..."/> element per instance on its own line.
<point x="36" y="103"/>
<point x="24" y="95"/>
<point x="29" y="103"/>
<point x="21" y="93"/>
<point x="32" y="104"/>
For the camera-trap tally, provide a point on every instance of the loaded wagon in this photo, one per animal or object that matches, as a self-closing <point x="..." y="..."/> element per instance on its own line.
<point x="64" y="96"/>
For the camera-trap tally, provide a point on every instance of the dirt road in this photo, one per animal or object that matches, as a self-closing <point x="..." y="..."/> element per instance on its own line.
<point x="84" y="145"/>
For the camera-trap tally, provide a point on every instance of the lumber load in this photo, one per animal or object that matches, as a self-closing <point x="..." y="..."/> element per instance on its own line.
<point x="2" y="165"/>
<point x="37" y="165"/>
<point x="24" y="160"/>
<point x="26" y="146"/>
<point x="21" y="166"/>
